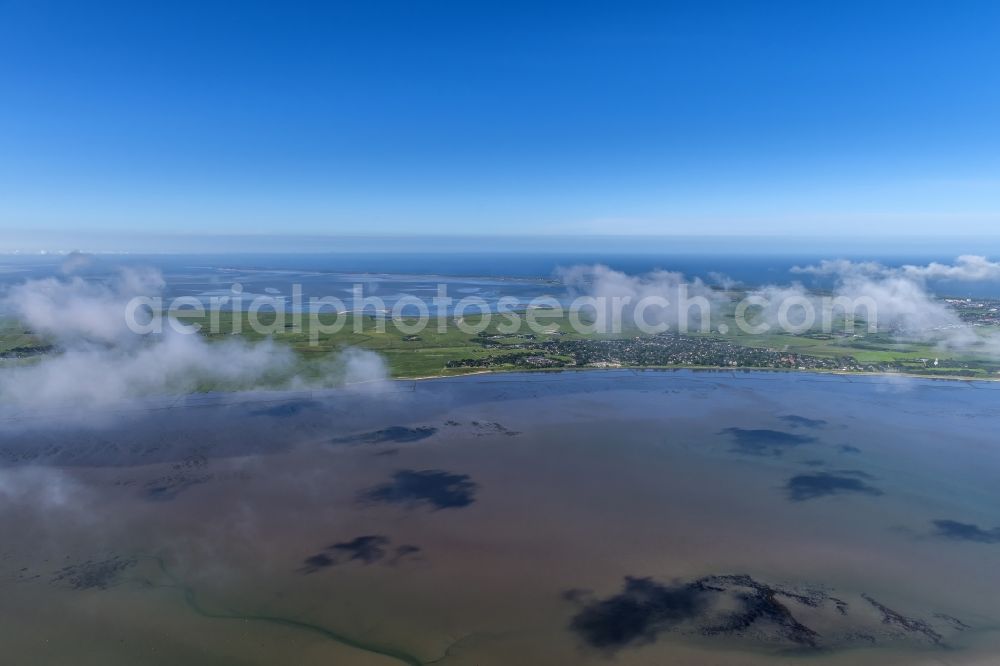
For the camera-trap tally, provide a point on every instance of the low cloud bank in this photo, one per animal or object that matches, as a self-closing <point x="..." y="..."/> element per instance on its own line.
<point x="967" y="268"/>
<point x="893" y="300"/>
<point x="903" y="301"/>
<point x="39" y="488"/>
<point x="79" y="313"/>
<point x="891" y="304"/>
<point x="657" y="297"/>
<point x="101" y="362"/>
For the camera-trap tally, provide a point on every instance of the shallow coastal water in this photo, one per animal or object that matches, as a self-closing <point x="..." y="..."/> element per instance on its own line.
<point x="599" y="517"/>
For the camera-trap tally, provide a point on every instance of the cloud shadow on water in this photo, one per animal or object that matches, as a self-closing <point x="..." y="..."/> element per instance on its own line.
<point x="365" y="550"/>
<point x="314" y="563"/>
<point x="395" y="434"/>
<point x="822" y="484"/>
<point x="436" y="488"/>
<point x="765" y="442"/>
<point x="404" y="552"/>
<point x="956" y="531"/>
<point x="286" y="409"/>
<point x="797" y="421"/>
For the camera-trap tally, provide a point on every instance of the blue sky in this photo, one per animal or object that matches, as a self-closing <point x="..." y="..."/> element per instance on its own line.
<point x="806" y="118"/>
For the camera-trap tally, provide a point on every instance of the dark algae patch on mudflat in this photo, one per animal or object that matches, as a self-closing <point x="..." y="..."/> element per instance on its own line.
<point x="93" y="574"/>
<point x="727" y="605"/>
<point x="907" y="624"/>
<point x="642" y="610"/>
<point x="746" y="612"/>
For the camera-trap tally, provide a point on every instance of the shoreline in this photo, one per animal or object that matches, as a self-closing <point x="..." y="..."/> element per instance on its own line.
<point x="698" y="368"/>
<point x="279" y="395"/>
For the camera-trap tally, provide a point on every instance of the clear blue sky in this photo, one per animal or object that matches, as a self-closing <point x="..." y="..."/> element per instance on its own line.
<point x="803" y="117"/>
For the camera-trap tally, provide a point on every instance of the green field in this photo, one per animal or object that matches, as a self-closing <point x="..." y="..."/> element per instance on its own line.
<point x="428" y="353"/>
<point x="407" y="357"/>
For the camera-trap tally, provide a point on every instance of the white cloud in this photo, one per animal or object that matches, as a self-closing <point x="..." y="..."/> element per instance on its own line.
<point x="76" y="262"/>
<point x="904" y="304"/>
<point x="967" y="268"/>
<point x="101" y="362"/>
<point x="841" y="267"/>
<point x="39" y="488"/>
<point x="77" y="312"/>
<point x="355" y="366"/>
<point x="722" y="280"/>
<point x="89" y="377"/>
<point x="682" y="295"/>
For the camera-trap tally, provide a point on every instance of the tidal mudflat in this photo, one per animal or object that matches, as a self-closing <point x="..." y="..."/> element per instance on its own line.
<point x="568" y="518"/>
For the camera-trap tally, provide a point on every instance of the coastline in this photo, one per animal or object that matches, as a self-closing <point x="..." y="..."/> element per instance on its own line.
<point x="701" y="368"/>
<point x="13" y="415"/>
